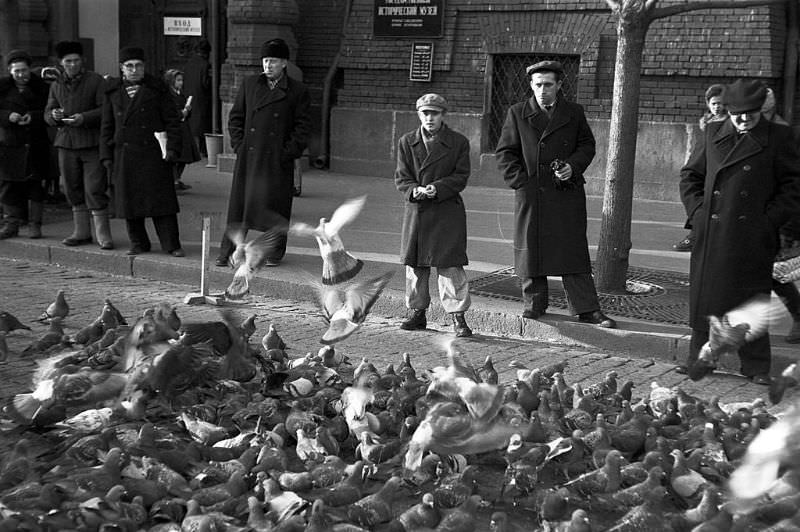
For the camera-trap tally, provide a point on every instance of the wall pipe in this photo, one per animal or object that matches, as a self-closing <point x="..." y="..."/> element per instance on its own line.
<point x="323" y="159"/>
<point x="215" y="66"/>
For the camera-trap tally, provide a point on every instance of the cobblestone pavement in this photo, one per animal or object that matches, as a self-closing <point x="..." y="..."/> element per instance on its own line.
<point x="26" y="288"/>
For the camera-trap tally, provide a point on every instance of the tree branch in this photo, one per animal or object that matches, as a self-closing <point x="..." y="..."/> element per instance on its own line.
<point x="668" y="11"/>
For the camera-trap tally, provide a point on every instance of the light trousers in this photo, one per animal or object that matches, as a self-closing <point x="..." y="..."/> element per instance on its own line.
<point x="453" y="288"/>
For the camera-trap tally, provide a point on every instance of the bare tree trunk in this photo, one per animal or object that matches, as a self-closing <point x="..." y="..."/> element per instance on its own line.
<point x="615" y="233"/>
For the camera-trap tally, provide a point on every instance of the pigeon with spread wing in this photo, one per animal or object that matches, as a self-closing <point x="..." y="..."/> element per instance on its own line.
<point x="737" y="327"/>
<point x="338" y="265"/>
<point x="248" y="257"/>
<point x="345" y="308"/>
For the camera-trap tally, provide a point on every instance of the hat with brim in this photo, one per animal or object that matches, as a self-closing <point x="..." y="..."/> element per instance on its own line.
<point x="743" y="96"/>
<point x="431" y="102"/>
<point x="131" y="53"/>
<point x="65" y="48"/>
<point x="545" y="66"/>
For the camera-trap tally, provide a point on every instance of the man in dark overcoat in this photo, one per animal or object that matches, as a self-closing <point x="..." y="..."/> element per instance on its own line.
<point x="135" y="107"/>
<point x="269" y="125"/>
<point x="739" y="186"/>
<point x="24" y="146"/>
<point x="544" y="148"/>
<point x="432" y="169"/>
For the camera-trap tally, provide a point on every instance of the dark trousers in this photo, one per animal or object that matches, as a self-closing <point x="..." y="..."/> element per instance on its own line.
<point x="14" y="196"/>
<point x="755" y="357"/>
<point x="579" y="287"/>
<point x="789" y="295"/>
<point x="166" y="229"/>
<point x="85" y="181"/>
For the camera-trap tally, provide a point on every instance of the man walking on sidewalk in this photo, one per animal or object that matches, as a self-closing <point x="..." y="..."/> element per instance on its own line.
<point x="432" y="169"/>
<point x="75" y="107"/>
<point x="544" y="148"/>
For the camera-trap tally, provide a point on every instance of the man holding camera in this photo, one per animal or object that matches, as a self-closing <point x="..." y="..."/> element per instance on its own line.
<point x="544" y="148"/>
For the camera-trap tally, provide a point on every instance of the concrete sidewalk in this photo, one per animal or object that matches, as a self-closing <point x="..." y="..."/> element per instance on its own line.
<point x="374" y="237"/>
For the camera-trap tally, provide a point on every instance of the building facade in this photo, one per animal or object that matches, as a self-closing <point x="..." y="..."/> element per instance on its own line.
<point x="367" y="61"/>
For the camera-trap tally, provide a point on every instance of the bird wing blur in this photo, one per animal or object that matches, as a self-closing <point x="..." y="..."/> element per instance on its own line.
<point x="345" y="309"/>
<point x="338" y="265"/>
<point x="727" y="334"/>
<point x="250" y="256"/>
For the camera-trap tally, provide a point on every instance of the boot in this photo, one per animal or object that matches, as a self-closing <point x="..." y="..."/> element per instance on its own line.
<point x="460" y="326"/>
<point x="102" y="229"/>
<point x="10" y="227"/>
<point x="82" y="227"/>
<point x="35" y="219"/>
<point x="415" y="322"/>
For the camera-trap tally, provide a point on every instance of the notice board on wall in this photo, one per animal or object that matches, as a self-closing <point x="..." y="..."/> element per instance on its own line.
<point x="421" y="61"/>
<point x="408" y="18"/>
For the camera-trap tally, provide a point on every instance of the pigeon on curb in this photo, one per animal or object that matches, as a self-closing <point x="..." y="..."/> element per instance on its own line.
<point x="57" y="309"/>
<point x="727" y="334"/>
<point x="249" y="257"/>
<point x="346" y="308"/>
<point x="338" y="265"/>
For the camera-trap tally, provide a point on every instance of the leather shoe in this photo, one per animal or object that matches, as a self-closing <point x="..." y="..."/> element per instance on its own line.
<point x="685" y="244"/>
<point x="682" y="369"/>
<point x="71" y="242"/>
<point x="417" y="321"/>
<point x="761" y="379"/>
<point x="178" y="252"/>
<point x="532" y="313"/>
<point x="272" y="263"/>
<point x="596" y="317"/>
<point x="221" y="261"/>
<point x="137" y="250"/>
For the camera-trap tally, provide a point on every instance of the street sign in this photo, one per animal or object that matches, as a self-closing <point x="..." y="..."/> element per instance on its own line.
<point x="421" y="61"/>
<point x="190" y="26"/>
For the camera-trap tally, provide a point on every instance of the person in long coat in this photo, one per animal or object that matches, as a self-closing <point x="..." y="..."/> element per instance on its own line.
<point x="739" y="186"/>
<point x="432" y="169"/>
<point x="550" y="203"/>
<point x="24" y="146"/>
<point x="136" y="107"/>
<point x="189" y="152"/>
<point x="269" y="125"/>
<point x="197" y="84"/>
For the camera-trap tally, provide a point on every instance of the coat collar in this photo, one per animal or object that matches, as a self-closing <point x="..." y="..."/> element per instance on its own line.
<point x="736" y="146"/>
<point x="439" y="149"/>
<point x="538" y="117"/>
<point x="266" y="95"/>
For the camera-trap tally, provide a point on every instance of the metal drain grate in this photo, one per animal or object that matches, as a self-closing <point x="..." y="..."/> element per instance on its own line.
<point x="655" y="296"/>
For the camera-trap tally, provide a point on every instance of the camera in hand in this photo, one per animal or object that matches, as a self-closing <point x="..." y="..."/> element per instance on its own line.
<point x="557" y="164"/>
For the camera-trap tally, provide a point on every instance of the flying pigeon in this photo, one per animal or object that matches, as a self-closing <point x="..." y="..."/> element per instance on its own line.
<point x="728" y="334"/>
<point x="346" y="308"/>
<point x="338" y="265"/>
<point x="248" y="257"/>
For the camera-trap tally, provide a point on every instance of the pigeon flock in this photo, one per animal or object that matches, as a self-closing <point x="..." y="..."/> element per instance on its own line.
<point x="158" y="424"/>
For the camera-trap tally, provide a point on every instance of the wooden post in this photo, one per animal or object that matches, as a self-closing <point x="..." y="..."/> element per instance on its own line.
<point x="203" y="296"/>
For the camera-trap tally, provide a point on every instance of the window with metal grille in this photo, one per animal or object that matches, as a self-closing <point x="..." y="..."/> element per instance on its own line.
<point x="509" y="85"/>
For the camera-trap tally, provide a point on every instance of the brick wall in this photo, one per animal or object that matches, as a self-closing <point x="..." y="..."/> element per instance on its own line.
<point x="683" y="54"/>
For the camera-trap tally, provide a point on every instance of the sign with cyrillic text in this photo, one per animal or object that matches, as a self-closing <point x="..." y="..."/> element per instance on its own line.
<point x="191" y="26"/>
<point x="408" y="18"/>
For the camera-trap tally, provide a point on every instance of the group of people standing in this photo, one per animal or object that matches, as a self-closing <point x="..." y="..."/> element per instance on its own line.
<point x="109" y="154"/>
